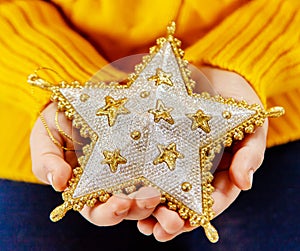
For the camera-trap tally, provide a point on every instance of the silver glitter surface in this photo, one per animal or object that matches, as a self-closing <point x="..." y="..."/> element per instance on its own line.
<point x="141" y="153"/>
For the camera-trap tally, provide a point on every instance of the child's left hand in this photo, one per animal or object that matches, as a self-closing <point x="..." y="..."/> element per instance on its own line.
<point x="235" y="172"/>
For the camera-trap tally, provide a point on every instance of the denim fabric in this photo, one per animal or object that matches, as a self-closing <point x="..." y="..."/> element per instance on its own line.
<point x="265" y="218"/>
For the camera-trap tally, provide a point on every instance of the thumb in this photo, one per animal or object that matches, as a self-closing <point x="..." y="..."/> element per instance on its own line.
<point x="248" y="158"/>
<point x="48" y="162"/>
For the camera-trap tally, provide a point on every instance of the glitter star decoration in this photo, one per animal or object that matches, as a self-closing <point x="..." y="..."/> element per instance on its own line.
<point x="169" y="155"/>
<point x="154" y="131"/>
<point x="113" y="159"/>
<point x="200" y="120"/>
<point x="161" y="112"/>
<point x="112" y="109"/>
<point x="161" y="77"/>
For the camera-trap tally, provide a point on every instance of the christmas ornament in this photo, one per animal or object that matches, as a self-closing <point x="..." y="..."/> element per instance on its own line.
<point x="153" y="131"/>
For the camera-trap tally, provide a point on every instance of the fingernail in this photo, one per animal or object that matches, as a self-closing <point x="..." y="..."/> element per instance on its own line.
<point x="122" y="212"/>
<point x="150" y="206"/>
<point x="50" y="178"/>
<point x="251" y="172"/>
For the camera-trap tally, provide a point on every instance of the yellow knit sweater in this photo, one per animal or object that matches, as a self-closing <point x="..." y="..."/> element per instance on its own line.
<point x="260" y="40"/>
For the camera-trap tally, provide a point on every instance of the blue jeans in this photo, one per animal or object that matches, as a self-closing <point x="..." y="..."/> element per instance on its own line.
<point x="265" y="218"/>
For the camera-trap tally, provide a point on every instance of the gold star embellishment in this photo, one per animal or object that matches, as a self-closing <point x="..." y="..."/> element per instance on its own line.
<point x="169" y="155"/>
<point x="149" y="145"/>
<point x="112" y="109"/>
<point x="161" y="77"/>
<point x="162" y="112"/>
<point x="113" y="159"/>
<point x="200" y="120"/>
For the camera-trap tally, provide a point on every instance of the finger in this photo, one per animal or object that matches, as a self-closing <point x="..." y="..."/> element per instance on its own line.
<point x="161" y="234"/>
<point x="248" y="158"/>
<point x="71" y="157"/>
<point x="169" y="220"/>
<point x="147" y="198"/>
<point x="109" y="213"/>
<point x="146" y="226"/>
<point x="144" y="202"/>
<point x="225" y="192"/>
<point x="225" y="161"/>
<point x="152" y="226"/>
<point x="47" y="159"/>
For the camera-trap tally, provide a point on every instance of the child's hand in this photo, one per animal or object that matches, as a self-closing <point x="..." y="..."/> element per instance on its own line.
<point x="54" y="166"/>
<point x="236" y="169"/>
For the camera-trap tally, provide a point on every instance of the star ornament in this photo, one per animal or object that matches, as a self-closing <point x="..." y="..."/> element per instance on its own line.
<point x="154" y="131"/>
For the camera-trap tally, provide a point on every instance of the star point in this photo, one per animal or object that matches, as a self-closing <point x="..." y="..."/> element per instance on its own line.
<point x="200" y="120"/>
<point x="113" y="107"/>
<point x="169" y="155"/>
<point x="162" y="112"/>
<point x="113" y="159"/>
<point x="161" y="77"/>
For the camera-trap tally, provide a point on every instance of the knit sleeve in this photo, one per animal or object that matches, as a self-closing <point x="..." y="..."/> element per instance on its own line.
<point x="33" y="34"/>
<point x="261" y="42"/>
